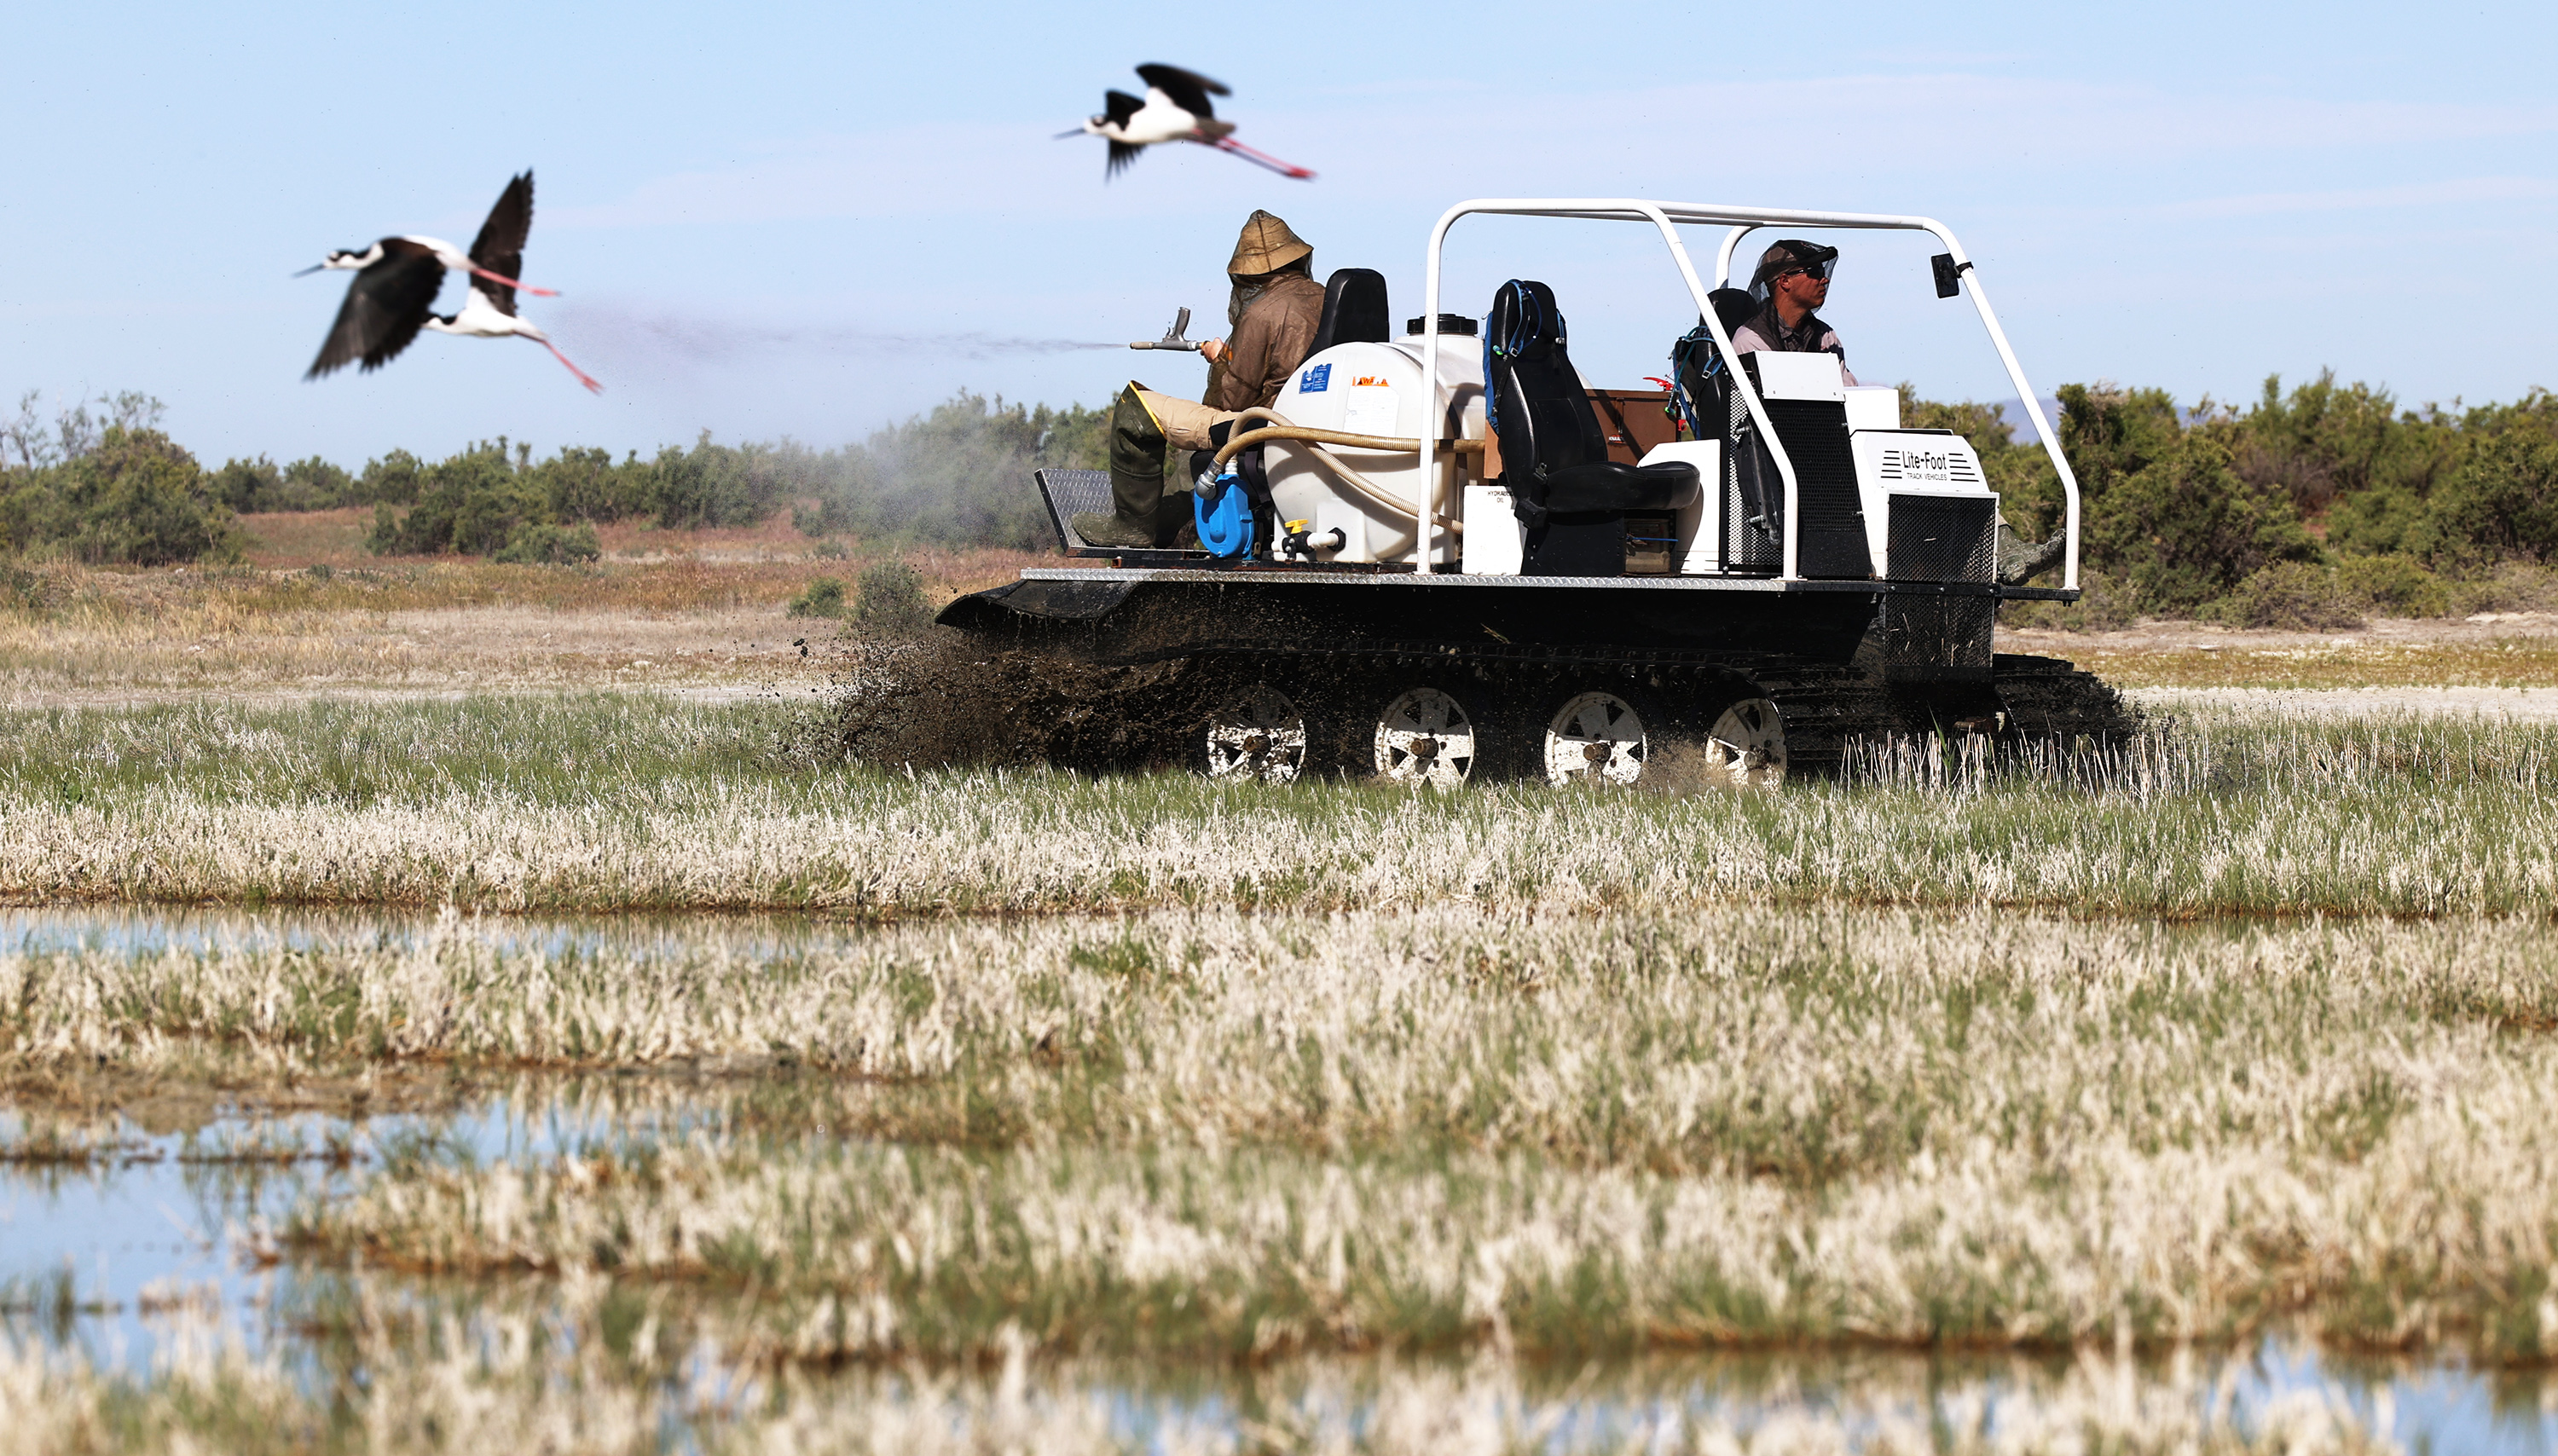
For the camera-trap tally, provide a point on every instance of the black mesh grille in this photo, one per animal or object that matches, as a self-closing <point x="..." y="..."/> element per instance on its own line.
<point x="1069" y="493"/>
<point x="1938" y="538"/>
<point x="1748" y="546"/>
<point x="1832" y="541"/>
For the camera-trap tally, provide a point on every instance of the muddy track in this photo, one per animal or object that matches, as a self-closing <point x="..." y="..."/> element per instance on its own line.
<point x="950" y="698"/>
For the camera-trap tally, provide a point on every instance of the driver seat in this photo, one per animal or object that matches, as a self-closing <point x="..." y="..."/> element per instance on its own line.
<point x="1355" y="310"/>
<point x="1569" y="495"/>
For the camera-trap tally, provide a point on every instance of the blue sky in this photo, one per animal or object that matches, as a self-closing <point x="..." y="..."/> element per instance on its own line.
<point x="808" y="220"/>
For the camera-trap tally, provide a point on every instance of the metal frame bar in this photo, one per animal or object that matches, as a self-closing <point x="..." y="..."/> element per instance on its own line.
<point x="1740" y="220"/>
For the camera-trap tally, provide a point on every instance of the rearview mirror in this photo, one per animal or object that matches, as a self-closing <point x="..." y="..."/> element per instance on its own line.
<point x="1949" y="274"/>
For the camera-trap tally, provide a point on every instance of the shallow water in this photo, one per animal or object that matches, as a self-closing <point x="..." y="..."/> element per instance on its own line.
<point x="92" y="1252"/>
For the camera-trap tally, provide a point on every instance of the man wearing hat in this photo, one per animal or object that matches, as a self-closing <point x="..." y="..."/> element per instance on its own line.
<point x="1793" y="278"/>
<point x="1275" y="308"/>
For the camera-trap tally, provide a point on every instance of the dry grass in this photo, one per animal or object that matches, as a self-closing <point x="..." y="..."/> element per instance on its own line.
<point x="690" y="612"/>
<point x="1230" y="1137"/>
<point x="624" y="802"/>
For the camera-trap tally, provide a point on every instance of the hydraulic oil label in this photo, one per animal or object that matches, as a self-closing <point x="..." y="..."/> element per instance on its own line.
<point x="1315" y="380"/>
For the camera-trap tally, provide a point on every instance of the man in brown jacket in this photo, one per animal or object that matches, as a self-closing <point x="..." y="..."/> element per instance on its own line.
<point x="1276" y="310"/>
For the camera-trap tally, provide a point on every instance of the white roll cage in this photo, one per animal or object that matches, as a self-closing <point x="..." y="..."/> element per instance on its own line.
<point x="1740" y="220"/>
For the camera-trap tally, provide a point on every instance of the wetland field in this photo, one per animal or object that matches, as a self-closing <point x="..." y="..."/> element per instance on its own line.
<point x="574" y="1067"/>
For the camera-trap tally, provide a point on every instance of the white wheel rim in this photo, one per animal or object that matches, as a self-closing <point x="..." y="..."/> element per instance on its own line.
<point x="1259" y="735"/>
<point x="1746" y="747"/>
<point x="1425" y="736"/>
<point x="1597" y="737"/>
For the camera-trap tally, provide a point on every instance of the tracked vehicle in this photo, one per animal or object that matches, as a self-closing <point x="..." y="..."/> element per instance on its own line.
<point x="1442" y="557"/>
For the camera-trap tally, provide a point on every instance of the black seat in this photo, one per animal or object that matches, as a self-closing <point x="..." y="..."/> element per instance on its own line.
<point x="1554" y="457"/>
<point x="1733" y="307"/>
<point x="1355" y="310"/>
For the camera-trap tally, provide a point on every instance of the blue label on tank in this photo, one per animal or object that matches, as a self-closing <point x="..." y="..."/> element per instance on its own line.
<point x="1316" y="380"/>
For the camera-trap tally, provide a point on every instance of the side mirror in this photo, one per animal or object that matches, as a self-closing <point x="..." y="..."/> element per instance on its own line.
<point x="1949" y="274"/>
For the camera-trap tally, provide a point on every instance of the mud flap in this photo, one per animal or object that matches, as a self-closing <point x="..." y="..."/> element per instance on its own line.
<point x="1071" y="601"/>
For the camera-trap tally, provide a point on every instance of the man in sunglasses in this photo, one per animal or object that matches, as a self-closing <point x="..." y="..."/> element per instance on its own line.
<point x="1794" y="280"/>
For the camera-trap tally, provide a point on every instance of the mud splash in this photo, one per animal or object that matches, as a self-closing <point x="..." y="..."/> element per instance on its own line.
<point x="944" y="698"/>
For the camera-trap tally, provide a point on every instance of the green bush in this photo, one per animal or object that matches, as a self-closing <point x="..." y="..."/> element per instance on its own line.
<point x="824" y="597"/>
<point x="2393" y="586"/>
<point x="135" y="498"/>
<point x="2295" y="595"/>
<point x="2502" y="503"/>
<point x="892" y="599"/>
<point x="2183" y="528"/>
<point x="472" y="503"/>
<point x="543" y="544"/>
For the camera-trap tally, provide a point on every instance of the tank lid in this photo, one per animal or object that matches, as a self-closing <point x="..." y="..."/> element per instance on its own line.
<point x="1448" y="324"/>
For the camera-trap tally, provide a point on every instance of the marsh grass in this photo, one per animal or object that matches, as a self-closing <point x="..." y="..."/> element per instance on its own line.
<point x="627" y="802"/>
<point x="1231" y="1136"/>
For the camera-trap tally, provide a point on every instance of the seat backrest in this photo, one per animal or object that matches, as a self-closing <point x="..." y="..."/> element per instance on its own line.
<point x="1734" y="307"/>
<point x="1539" y="407"/>
<point x="1700" y="384"/>
<point x="1355" y="310"/>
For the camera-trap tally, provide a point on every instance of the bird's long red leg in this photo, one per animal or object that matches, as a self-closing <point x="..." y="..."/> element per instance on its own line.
<point x="540" y="292"/>
<point x="1284" y="169"/>
<point x="582" y="376"/>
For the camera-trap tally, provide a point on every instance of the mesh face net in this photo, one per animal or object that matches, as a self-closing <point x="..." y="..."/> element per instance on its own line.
<point x="1791" y="256"/>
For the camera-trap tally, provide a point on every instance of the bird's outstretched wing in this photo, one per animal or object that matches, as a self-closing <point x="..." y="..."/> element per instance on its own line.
<point x="1119" y="106"/>
<point x="1189" y="89"/>
<point x="500" y="247"/>
<point x="1121" y="154"/>
<point x="385" y="307"/>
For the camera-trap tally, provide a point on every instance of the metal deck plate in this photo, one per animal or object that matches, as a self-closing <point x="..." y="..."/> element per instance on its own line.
<point x="1234" y="575"/>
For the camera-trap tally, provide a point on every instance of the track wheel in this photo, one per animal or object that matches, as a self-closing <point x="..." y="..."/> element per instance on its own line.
<point x="1745" y="748"/>
<point x="1257" y="735"/>
<point x="1594" y="738"/>
<point x="1425" y="736"/>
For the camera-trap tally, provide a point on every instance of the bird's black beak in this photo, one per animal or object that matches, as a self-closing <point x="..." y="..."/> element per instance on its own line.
<point x="1068" y="135"/>
<point x="314" y="268"/>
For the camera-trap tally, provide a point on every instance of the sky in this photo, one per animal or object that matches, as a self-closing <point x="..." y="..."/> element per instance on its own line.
<point x="811" y="221"/>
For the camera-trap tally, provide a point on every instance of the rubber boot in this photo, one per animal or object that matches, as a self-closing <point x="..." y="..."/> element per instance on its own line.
<point x="1137" y="474"/>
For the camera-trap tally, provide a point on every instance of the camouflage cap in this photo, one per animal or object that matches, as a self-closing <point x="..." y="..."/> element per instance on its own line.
<point x="1787" y="254"/>
<point x="1267" y="243"/>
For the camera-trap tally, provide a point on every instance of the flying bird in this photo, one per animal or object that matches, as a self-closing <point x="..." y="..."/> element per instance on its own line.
<point x="397" y="279"/>
<point x="1176" y="108"/>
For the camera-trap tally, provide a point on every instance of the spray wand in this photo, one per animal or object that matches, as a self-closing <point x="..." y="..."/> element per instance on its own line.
<point x="1172" y="338"/>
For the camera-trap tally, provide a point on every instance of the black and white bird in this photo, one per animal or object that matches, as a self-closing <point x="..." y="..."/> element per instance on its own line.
<point x="1176" y="108"/>
<point x="397" y="279"/>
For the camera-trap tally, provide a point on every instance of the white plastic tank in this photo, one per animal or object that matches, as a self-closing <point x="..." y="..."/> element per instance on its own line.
<point x="1377" y="389"/>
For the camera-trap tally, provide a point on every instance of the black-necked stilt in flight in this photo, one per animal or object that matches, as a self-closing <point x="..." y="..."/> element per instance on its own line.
<point x="397" y="279"/>
<point x="1175" y="109"/>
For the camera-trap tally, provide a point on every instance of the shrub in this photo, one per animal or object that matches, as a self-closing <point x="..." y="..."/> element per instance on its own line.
<point x="544" y="543"/>
<point x="892" y="597"/>
<point x="2502" y="502"/>
<point x="829" y="549"/>
<point x="2296" y="596"/>
<point x="2183" y="528"/>
<point x="2393" y="586"/>
<point x="394" y="479"/>
<point x="472" y="503"/>
<point x="136" y="498"/>
<point x="824" y="597"/>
